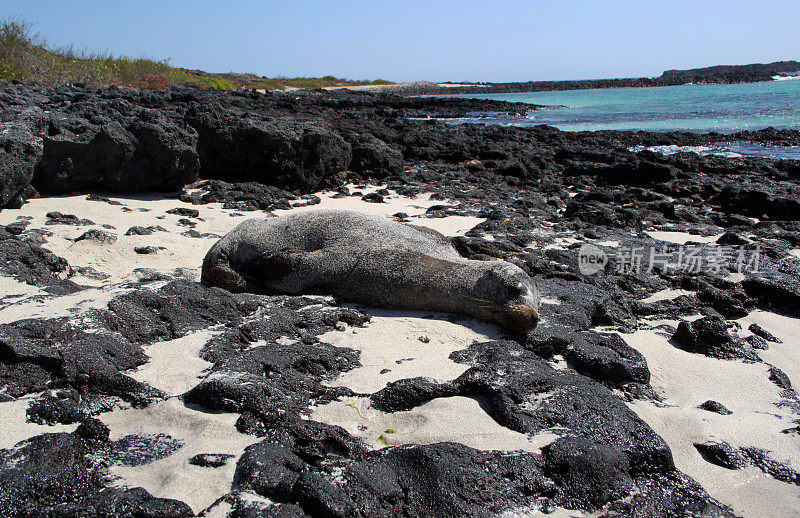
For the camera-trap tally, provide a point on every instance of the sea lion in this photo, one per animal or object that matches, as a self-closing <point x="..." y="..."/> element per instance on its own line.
<point x="370" y="260"/>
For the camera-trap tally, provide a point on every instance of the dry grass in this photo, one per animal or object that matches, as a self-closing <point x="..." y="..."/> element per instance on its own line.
<point x="26" y="56"/>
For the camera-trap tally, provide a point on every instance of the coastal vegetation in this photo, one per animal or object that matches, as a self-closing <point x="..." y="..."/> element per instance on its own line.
<point x="27" y="56"/>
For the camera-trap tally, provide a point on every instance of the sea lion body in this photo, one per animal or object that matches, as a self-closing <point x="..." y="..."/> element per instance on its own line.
<point x="370" y="260"/>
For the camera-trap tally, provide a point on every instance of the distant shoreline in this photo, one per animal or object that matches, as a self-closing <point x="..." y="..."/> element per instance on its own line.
<point x="733" y="74"/>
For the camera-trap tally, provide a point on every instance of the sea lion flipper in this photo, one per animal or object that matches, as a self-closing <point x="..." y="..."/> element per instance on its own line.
<point x="223" y="276"/>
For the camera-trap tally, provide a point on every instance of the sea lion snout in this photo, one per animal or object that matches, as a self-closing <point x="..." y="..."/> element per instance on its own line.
<point x="525" y="310"/>
<point x="516" y="297"/>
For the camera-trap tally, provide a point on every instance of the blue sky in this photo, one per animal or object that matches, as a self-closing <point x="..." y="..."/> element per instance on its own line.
<point x="427" y="40"/>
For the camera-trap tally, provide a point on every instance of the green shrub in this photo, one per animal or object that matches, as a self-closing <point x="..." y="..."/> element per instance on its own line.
<point x="216" y="82"/>
<point x="268" y="84"/>
<point x="25" y="55"/>
<point x="307" y="82"/>
<point x="6" y="73"/>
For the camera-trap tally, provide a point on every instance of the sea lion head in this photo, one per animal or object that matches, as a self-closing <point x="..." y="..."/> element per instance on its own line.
<point x="510" y="296"/>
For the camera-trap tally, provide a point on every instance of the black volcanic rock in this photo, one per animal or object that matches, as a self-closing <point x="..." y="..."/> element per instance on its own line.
<point x="282" y="153"/>
<point x="185" y="212"/>
<point x="534" y="187"/>
<point x="590" y="474"/>
<point x="53" y="474"/>
<point x="775" y="291"/>
<point x="721" y="454"/>
<point x="98" y="236"/>
<point x="710" y="336"/>
<point x="210" y="460"/>
<point x="149" y="152"/>
<point x="20" y="151"/>
<point x="607" y="358"/>
<point x="30" y="263"/>
<point x="763" y="333"/>
<point x="248" y="196"/>
<point x="144" y="231"/>
<point x="57" y="218"/>
<point x="373" y="156"/>
<point x="716" y="407"/>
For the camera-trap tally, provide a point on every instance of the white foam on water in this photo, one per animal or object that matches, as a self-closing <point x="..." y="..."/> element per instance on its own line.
<point x="700" y="150"/>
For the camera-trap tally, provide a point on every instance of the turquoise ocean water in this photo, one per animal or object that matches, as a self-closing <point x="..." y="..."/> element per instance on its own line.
<point x="701" y="108"/>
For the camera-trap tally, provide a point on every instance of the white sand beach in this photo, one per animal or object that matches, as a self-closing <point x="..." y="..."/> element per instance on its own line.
<point x="394" y="345"/>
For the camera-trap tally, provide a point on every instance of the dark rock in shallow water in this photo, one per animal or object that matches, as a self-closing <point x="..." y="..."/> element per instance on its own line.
<point x="710" y="336"/>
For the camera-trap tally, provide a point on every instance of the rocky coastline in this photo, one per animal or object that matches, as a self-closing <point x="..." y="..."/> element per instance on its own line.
<point x="591" y="375"/>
